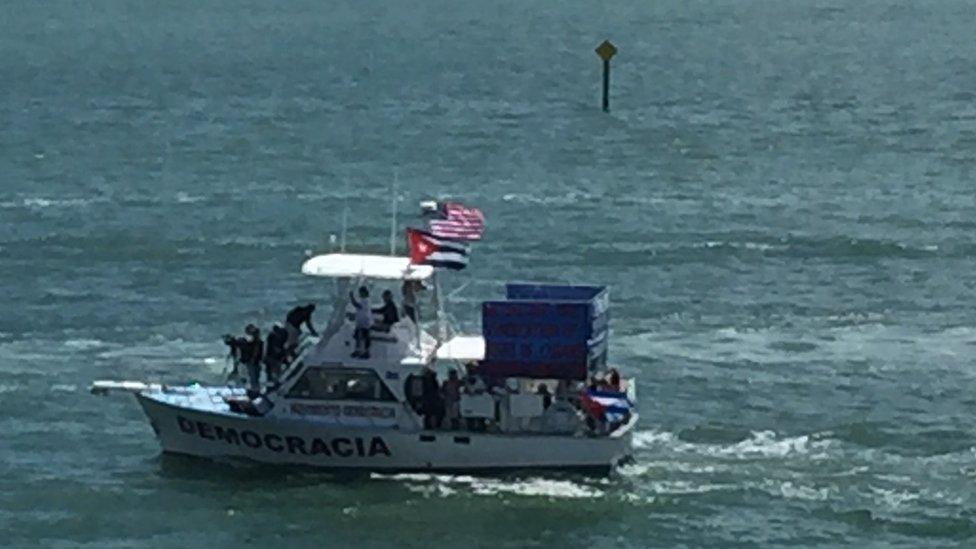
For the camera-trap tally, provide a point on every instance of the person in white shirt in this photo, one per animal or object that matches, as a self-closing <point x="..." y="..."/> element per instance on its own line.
<point x="364" y="321"/>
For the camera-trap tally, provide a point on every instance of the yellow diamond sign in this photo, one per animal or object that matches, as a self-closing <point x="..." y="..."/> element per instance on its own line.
<point x="606" y="50"/>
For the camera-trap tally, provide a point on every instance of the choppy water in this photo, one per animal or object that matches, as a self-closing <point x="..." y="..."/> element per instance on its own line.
<point x="781" y="199"/>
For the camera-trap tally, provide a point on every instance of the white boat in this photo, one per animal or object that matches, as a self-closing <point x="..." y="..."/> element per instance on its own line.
<point x="336" y="411"/>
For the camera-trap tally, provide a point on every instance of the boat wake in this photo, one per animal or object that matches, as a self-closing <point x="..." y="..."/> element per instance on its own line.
<point x="759" y="444"/>
<point x="434" y="485"/>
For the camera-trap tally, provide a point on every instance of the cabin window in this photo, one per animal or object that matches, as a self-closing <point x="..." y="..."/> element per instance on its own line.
<point x="332" y="384"/>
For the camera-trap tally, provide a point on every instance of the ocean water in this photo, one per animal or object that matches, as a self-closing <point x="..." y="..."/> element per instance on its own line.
<point x="781" y="200"/>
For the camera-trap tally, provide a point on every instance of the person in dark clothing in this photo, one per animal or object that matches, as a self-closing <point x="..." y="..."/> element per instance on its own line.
<point x="432" y="405"/>
<point x="275" y="353"/>
<point x="409" y="290"/>
<point x="543" y="391"/>
<point x="389" y="315"/>
<point x="413" y="388"/>
<point x="451" y="393"/>
<point x="236" y="348"/>
<point x="252" y="356"/>
<point x="293" y="325"/>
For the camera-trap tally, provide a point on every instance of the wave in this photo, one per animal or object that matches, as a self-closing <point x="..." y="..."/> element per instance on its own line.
<point x="925" y="526"/>
<point x="758" y="444"/>
<point x="766" y="444"/>
<point x="792" y="490"/>
<point x="703" y="482"/>
<point x="648" y="439"/>
<point x="643" y="468"/>
<point x="834" y="248"/>
<point x="747" y="245"/>
<point x="684" y="487"/>
<point x="840" y="338"/>
<point x="40" y="203"/>
<point x="903" y="440"/>
<point x="892" y="498"/>
<point x="43" y="202"/>
<point x="573" y="197"/>
<point x="648" y="249"/>
<point x="85" y="344"/>
<point x="11" y="388"/>
<point x="852" y="247"/>
<point x="184" y="198"/>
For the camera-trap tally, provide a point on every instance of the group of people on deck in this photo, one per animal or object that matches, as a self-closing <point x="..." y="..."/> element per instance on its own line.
<point x="382" y="318"/>
<point x="280" y="348"/>
<point x="251" y="352"/>
<point x="440" y="403"/>
<point x="437" y="402"/>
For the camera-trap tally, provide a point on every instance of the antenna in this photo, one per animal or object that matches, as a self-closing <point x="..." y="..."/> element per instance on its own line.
<point x="393" y="220"/>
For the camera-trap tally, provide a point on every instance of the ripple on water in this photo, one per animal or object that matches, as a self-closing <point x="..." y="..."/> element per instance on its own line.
<point x="919" y="525"/>
<point x="793" y="346"/>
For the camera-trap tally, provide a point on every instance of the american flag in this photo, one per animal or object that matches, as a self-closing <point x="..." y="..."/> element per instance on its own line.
<point x="460" y="223"/>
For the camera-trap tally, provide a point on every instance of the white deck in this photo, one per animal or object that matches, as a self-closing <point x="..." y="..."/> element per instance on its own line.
<point x="197" y="397"/>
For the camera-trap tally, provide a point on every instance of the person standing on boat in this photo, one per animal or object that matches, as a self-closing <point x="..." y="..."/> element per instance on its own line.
<point x="451" y="392"/>
<point x="474" y="384"/>
<point x="388" y="311"/>
<point x="364" y="321"/>
<point x="252" y="357"/>
<point x="236" y="346"/>
<point x="275" y="353"/>
<point x="543" y="391"/>
<point x="409" y="291"/>
<point x="293" y="324"/>
<point x="431" y="403"/>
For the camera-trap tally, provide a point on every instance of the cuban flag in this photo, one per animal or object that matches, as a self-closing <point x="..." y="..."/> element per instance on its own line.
<point x="428" y="249"/>
<point x="610" y="406"/>
<point x="458" y="222"/>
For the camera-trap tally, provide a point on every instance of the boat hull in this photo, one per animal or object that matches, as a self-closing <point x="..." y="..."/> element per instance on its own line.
<point x="287" y="441"/>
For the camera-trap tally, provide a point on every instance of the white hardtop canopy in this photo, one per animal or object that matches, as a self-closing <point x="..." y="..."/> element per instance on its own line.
<point x="366" y="266"/>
